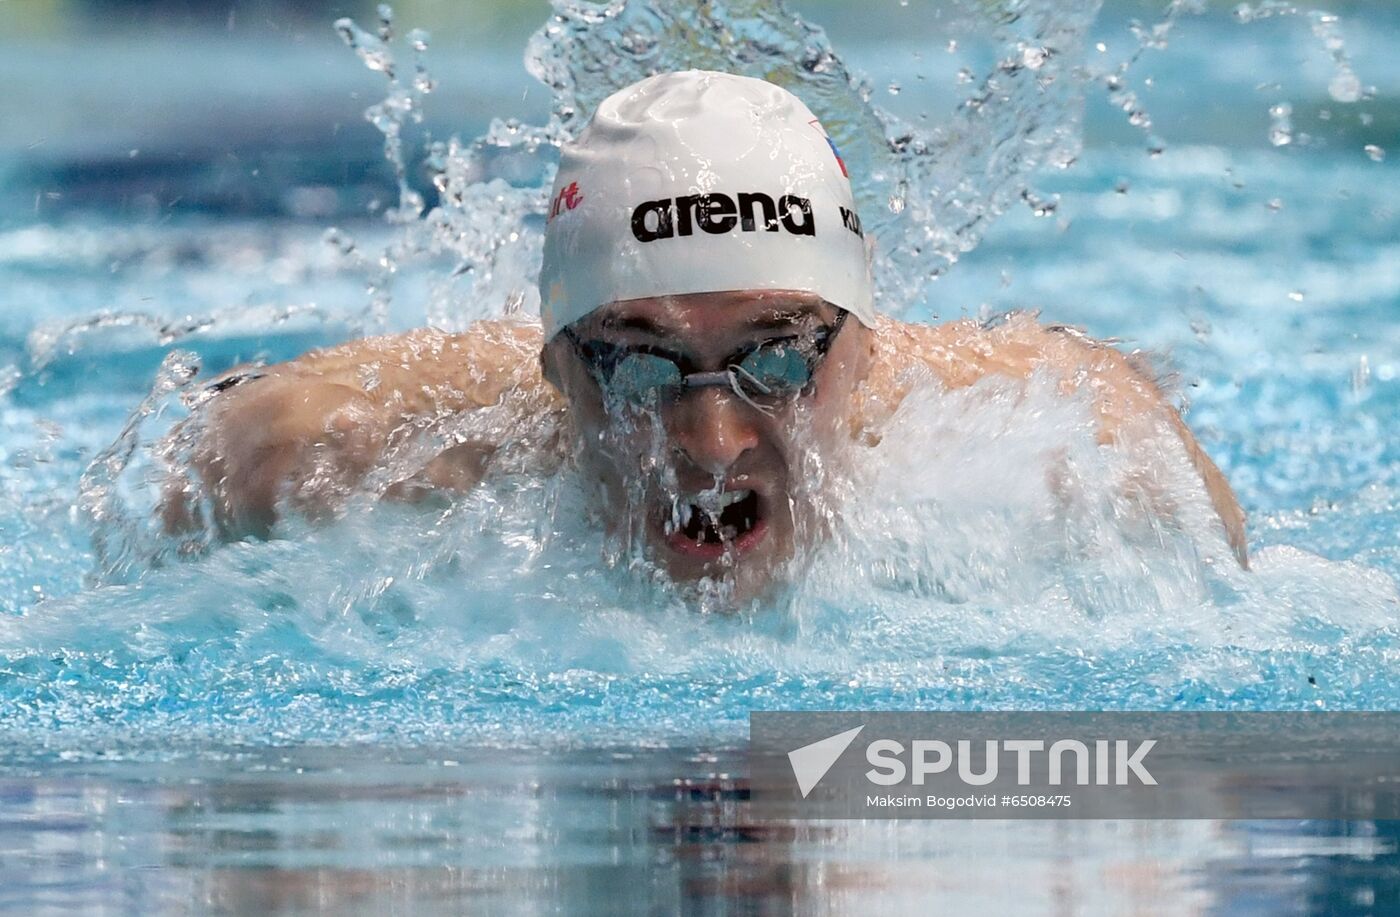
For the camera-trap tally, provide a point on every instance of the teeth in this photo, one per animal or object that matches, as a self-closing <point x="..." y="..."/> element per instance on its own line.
<point x="713" y="503"/>
<point x="709" y="505"/>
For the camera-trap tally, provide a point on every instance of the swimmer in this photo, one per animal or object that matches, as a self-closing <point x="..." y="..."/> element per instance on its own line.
<point x="708" y="325"/>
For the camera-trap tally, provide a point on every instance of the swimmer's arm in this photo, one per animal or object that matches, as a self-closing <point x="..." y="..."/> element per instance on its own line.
<point x="1125" y="398"/>
<point x="305" y="433"/>
<point x="961" y="353"/>
<point x="1222" y="497"/>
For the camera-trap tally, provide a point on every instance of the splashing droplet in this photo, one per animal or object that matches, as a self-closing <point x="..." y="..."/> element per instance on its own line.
<point x="1344" y="87"/>
<point x="339" y="240"/>
<point x="1361" y="376"/>
<point x="1281" y="124"/>
<point x="1034" y="57"/>
<point x="1040" y="207"/>
<point x="1376" y="153"/>
<point x="369" y="48"/>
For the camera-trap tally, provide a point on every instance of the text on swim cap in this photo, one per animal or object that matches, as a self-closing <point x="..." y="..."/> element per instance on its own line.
<point x="851" y="220"/>
<point x="567" y="199"/>
<point x="720" y="213"/>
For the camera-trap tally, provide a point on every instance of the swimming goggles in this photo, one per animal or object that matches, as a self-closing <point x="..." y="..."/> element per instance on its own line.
<point x="763" y="374"/>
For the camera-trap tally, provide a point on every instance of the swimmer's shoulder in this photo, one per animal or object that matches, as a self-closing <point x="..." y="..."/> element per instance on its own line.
<point x="493" y="342"/>
<point x="430" y="368"/>
<point x="964" y="351"/>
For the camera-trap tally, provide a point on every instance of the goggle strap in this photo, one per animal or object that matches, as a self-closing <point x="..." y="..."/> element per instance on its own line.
<point x="738" y="369"/>
<point x="743" y="395"/>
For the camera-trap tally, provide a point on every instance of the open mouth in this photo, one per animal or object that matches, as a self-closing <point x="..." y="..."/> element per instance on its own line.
<point x="708" y="526"/>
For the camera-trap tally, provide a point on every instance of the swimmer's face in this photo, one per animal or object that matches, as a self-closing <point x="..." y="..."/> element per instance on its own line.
<point x="710" y="475"/>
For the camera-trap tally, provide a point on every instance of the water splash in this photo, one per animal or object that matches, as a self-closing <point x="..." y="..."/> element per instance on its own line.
<point x="402" y="103"/>
<point x="963" y="583"/>
<point x="927" y="195"/>
<point x="1344" y="86"/>
<point x="1116" y="83"/>
<point x="967" y="580"/>
<point x="932" y="192"/>
<point x="128" y="541"/>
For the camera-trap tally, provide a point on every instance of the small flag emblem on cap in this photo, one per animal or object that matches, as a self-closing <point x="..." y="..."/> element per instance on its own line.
<point x="834" y="151"/>
<point x="837" y="153"/>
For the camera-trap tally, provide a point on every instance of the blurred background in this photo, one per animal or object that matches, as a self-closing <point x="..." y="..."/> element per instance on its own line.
<point x="155" y="107"/>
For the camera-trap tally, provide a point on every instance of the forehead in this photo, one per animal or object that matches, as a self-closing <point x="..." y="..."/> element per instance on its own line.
<point x="710" y="314"/>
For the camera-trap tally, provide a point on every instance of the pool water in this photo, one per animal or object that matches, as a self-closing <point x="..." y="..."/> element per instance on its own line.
<point x="462" y="707"/>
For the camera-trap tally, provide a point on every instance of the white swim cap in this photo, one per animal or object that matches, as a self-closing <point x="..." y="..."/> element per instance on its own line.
<point x="701" y="182"/>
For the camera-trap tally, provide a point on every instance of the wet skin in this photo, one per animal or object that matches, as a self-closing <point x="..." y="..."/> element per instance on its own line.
<point x="650" y="461"/>
<point x="307" y="433"/>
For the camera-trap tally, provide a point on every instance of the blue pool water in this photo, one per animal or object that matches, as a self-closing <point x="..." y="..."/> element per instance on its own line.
<point x="461" y="707"/>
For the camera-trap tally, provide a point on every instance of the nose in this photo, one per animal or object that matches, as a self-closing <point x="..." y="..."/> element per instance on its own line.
<point x="713" y="428"/>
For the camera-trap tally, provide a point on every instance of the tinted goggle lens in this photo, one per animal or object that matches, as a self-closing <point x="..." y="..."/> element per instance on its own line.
<point x="782" y="369"/>
<point x="638" y="376"/>
<point x="775" y="371"/>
